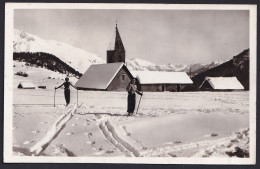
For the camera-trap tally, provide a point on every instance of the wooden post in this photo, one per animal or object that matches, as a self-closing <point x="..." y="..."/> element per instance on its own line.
<point x="77" y="97"/>
<point x="54" y="96"/>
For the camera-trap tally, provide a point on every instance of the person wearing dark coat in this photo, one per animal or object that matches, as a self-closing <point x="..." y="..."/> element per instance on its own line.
<point x="66" y="85"/>
<point x="132" y="89"/>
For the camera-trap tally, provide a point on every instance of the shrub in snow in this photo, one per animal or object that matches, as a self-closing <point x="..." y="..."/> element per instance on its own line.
<point x="42" y="87"/>
<point x="238" y="153"/>
<point x="21" y="74"/>
<point x="214" y="135"/>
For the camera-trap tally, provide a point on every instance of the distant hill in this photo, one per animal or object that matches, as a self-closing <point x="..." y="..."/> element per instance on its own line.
<point x="198" y="68"/>
<point x="75" y="58"/>
<point x="46" y="60"/>
<point x="238" y="66"/>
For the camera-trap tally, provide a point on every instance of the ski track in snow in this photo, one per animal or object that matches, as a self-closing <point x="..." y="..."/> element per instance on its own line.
<point x="117" y="135"/>
<point x="53" y="131"/>
<point x="104" y="117"/>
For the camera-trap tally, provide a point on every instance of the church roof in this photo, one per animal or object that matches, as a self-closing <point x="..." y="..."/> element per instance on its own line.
<point x="99" y="76"/>
<point x="158" y="77"/>
<point x="116" y="41"/>
<point x="223" y="83"/>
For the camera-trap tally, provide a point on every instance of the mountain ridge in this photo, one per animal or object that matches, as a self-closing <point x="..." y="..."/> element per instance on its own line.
<point x="77" y="58"/>
<point x="238" y="66"/>
<point x="137" y="64"/>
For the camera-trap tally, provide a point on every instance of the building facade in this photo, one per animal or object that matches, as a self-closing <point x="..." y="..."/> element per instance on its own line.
<point x="163" y="87"/>
<point x="120" y="81"/>
<point x="156" y="81"/>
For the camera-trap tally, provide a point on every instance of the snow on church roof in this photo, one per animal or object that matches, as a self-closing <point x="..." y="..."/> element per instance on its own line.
<point x="223" y="83"/>
<point x="157" y="77"/>
<point x="99" y="76"/>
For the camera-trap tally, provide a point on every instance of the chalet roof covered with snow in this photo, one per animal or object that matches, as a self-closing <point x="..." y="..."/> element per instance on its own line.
<point x="157" y="77"/>
<point x="223" y="83"/>
<point x="99" y="76"/>
<point x="26" y="85"/>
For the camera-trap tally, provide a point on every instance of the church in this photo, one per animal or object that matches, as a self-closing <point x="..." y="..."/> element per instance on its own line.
<point x="115" y="76"/>
<point x="112" y="76"/>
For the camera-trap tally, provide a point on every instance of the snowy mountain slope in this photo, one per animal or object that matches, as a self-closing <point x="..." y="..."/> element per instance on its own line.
<point x="38" y="76"/>
<point x="75" y="57"/>
<point x="139" y="64"/>
<point x="175" y="66"/>
<point x="143" y="65"/>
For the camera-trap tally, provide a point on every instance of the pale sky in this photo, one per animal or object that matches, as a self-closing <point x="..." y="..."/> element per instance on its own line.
<point x="159" y="36"/>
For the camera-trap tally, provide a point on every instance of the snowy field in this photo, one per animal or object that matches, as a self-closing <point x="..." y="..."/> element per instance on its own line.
<point x="185" y="124"/>
<point x="168" y="124"/>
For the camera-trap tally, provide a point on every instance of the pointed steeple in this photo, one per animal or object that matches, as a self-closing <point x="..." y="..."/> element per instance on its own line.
<point x="118" y="42"/>
<point x="116" y="50"/>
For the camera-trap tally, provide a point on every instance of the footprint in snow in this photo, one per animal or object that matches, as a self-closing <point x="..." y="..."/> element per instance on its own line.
<point x="109" y="151"/>
<point x="70" y="133"/>
<point x="88" y="142"/>
<point x="100" y="153"/>
<point x="177" y="142"/>
<point x="88" y="122"/>
<point x="44" y="122"/>
<point x="74" y="125"/>
<point x="28" y="142"/>
<point x="35" y="131"/>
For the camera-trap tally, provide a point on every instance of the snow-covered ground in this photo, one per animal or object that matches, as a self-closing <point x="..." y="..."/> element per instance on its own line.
<point x="200" y="124"/>
<point x="167" y="124"/>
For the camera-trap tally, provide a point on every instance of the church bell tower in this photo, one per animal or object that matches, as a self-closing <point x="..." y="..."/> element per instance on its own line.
<point x="116" y="50"/>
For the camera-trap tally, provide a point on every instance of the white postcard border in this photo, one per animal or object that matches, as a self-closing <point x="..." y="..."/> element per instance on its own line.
<point x="8" y="85"/>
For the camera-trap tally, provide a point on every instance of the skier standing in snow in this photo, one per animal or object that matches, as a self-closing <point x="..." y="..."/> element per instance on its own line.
<point x="66" y="85"/>
<point x="132" y="89"/>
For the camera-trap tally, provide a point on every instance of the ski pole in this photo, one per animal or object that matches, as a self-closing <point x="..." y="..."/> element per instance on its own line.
<point x="139" y="103"/>
<point x="77" y="97"/>
<point x="54" y="96"/>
